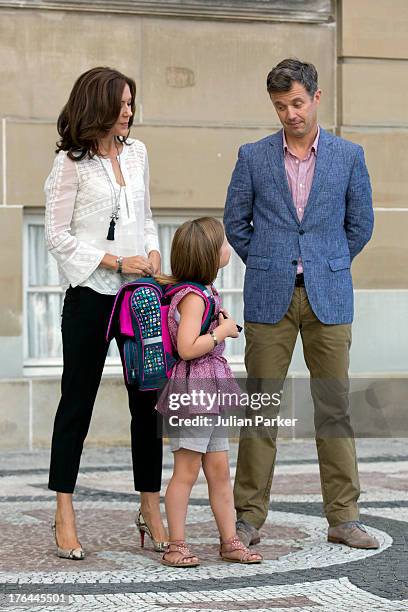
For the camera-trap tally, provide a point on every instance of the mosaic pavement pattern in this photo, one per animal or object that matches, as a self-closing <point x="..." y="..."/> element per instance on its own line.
<point x="302" y="571"/>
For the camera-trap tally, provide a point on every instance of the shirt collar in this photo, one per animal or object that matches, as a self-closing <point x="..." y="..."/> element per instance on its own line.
<point x="312" y="148"/>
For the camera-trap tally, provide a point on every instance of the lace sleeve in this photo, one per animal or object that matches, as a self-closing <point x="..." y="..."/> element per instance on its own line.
<point x="77" y="259"/>
<point x="150" y="231"/>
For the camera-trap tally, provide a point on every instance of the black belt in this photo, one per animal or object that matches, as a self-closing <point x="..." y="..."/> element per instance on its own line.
<point x="299" y="281"/>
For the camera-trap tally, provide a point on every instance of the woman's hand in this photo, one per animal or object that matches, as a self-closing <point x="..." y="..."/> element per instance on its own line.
<point x="137" y="264"/>
<point x="155" y="259"/>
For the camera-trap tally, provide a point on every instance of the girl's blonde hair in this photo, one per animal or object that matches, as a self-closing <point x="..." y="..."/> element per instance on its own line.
<point x="195" y="252"/>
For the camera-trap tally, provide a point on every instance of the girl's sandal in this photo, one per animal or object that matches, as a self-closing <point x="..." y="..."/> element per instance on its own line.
<point x="180" y="547"/>
<point x="230" y="548"/>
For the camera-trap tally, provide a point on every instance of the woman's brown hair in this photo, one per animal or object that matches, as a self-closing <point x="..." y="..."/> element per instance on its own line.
<point x="195" y="251"/>
<point x="92" y="109"/>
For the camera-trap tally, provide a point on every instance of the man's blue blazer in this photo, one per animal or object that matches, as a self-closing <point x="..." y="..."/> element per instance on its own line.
<point x="262" y="226"/>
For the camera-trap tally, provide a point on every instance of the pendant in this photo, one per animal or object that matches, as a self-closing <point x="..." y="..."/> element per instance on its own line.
<point x="111" y="230"/>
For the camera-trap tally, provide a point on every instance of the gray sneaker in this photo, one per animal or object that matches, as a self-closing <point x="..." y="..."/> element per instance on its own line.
<point x="247" y="533"/>
<point x="352" y="533"/>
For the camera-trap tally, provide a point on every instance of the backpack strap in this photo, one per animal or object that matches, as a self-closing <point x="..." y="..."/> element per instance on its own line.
<point x="182" y="289"/>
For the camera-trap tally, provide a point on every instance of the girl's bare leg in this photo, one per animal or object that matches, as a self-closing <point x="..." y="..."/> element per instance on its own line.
<point x="187" y="465"/>
<point x="217" y="473"/>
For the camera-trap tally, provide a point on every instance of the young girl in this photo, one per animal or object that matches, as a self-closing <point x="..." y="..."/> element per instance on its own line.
<point x="199" y="249"/>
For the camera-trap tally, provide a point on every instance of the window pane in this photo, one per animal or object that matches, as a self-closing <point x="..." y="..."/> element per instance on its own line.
<point x="232" y="276"/>
<point x="43" y="324"/>
<point x="42" y="267"/>
<point x="233" y="303"/>
<point x="166" y="232"/>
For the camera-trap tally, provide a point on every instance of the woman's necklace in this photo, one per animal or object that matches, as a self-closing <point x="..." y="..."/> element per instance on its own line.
<point x="116" y="197"/>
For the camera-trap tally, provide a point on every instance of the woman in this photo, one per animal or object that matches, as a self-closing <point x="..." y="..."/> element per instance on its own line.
<point x="99" y="227"/>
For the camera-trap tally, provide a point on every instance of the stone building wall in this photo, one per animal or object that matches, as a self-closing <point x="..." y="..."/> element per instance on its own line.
<point x="200" y="69"/>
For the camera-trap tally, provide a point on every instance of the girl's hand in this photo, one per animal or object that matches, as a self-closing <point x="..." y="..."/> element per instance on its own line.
<point x="228" y="326"/>
<point x="226" y="313"/>
<point x="137" y="265"/>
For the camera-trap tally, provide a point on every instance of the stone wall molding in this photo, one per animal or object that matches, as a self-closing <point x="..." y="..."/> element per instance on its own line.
<point x="302" y="11"/>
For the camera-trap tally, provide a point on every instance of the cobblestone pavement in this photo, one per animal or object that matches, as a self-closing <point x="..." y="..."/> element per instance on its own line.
<point x="302" y="571"/>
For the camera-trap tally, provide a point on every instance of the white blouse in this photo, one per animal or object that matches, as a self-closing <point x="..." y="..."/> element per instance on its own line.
<point x="79" y="203"/>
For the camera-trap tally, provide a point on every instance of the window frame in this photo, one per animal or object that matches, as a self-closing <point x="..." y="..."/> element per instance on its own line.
<point x="52" y="366"/>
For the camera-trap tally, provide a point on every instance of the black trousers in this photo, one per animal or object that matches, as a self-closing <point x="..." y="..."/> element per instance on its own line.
<point x="85" y="318"/>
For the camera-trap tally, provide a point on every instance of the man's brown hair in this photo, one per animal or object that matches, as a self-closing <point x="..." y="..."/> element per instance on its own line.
<point x="281" y="78"/>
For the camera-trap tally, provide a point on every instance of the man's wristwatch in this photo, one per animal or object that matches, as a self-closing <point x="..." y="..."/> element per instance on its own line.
<point x="214" y="337"/>
<point x="119" y="261"/>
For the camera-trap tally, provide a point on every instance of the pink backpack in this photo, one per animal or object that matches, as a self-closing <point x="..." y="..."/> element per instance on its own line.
<point x="140" y="315"/>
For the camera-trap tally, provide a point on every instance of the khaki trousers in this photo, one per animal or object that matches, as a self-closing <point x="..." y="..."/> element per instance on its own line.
<point x="268" y="352"/>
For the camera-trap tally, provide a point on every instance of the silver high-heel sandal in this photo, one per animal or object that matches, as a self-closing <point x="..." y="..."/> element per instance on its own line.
<point x="144" y="528"/>
<point x="76" y="554"/>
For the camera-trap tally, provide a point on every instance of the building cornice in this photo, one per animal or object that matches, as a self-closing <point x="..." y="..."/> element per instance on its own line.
<point x="309" y="11"/>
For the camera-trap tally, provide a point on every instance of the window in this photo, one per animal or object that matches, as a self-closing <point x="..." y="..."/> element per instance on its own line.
<point x="44" y="298"/>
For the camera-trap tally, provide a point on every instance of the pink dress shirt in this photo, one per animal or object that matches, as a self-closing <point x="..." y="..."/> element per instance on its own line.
<point x="300" y="174"/>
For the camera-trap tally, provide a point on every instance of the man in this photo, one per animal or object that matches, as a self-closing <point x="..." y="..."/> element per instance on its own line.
<point x="298" y="210"/>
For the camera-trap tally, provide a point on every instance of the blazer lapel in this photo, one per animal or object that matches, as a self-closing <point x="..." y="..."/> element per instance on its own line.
<point x="324" y="161"/>
<point x="277" y="162"/>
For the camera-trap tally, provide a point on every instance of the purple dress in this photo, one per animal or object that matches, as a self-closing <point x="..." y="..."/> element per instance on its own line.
<point x="208" y="380"/>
